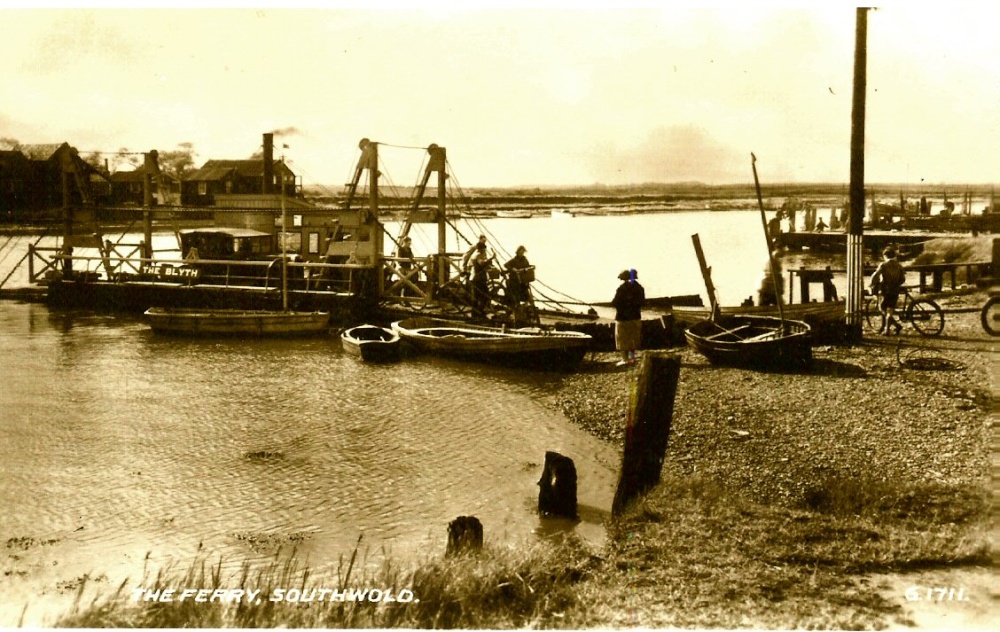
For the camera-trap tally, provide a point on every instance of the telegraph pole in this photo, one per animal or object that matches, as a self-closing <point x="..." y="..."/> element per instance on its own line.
<point x="855" y="231"/>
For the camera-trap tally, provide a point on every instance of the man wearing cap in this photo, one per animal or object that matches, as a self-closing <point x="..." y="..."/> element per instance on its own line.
<point x="628" y="301"/>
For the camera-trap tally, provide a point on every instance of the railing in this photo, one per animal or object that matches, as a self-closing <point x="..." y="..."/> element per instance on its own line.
<point x="407" y="286"/>
<point x="262" y="276"/>
<point x="931" y="277"/>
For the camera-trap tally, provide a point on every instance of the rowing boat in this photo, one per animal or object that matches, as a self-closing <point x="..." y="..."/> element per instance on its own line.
<point x="235" y="322"/>
<point x="761" y="342"/>
<point x="371" y="343"/>
<point x="529" y="346"/>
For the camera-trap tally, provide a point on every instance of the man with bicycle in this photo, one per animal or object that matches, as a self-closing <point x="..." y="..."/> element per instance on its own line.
<point x="888" y="281"/>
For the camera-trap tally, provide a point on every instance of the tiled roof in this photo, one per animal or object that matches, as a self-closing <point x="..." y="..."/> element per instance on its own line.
<point x="218" y="169"/>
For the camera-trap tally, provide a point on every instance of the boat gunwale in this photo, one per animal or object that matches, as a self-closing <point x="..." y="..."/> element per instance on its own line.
<point x="481" y="333"/>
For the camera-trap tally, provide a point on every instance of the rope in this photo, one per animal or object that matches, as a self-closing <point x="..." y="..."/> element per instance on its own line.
<point x="18" y="264"/>
<point x="381" y="144"/>
<point x="9" y="252"/>
<point x="483" y="230"/>
<point x="553" y="297"/>
<point x="925" y="359"/>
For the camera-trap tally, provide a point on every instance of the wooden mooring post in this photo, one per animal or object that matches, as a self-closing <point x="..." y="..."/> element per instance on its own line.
<point x="557" y="487"/>
<point x="465" y="535"/>
<point x="647" y="427"/>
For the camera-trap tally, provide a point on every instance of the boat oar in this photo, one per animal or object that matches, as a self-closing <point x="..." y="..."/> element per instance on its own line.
<point x="767" y="237"/>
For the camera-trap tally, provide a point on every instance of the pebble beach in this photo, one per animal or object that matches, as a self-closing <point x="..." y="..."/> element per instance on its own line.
<point x="893" y="408"/>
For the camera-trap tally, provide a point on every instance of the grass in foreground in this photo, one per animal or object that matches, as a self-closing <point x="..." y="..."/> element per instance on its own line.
<point x="693" y="555"/>
<point x="690" y="555"/>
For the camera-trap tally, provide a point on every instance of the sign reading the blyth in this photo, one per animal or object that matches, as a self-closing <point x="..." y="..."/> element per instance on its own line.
<point x="172" y="273"/>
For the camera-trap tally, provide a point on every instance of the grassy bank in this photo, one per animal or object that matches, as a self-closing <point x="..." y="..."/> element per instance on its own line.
<point x="689" y="554"/>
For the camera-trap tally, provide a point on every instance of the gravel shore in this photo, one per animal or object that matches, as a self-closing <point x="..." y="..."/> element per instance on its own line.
<point x="899" y="408"/>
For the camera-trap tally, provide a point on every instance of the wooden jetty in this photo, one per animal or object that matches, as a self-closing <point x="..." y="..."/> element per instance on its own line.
<point x="330" y="259"/>
<point x="909" y="244"/>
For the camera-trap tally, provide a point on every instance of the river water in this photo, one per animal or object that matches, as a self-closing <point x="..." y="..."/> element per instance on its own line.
<point x="122" y="451"/>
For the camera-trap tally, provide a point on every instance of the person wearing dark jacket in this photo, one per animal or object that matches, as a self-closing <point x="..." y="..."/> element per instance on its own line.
<point x="628" y="301"/>
<point x="516" y="288"/>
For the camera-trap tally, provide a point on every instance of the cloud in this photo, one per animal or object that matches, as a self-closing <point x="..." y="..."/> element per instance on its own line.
<point x="676" y="153"/>
<point x="76" y="40"/>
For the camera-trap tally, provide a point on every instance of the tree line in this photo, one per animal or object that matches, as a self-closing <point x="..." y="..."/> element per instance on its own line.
<point x="178" y="162"/>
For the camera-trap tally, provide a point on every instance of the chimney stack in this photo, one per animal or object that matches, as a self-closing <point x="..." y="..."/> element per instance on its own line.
<point x="268" y="163"/>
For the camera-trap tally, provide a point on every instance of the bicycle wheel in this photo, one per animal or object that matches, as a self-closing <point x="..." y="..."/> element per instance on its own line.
<point x="873" y="316"/>
<point x="925" y="315"/>
<point x="990" y="316"/>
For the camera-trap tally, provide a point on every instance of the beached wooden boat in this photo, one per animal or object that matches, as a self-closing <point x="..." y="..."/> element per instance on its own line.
<point x="235" y="322"/>
<point x="371" y="343"/>
<point x="761" y="342"/>
<point x="814" y="314"/>
<point x="530" y="346"/>
<point x="661" y="303"/>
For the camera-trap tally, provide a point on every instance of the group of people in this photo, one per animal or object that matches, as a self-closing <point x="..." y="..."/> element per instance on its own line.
<point x="477" y="263"/>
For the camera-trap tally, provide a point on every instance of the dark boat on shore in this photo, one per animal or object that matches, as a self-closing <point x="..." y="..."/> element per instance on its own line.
<point x="667" y="302"/>
<point x="760" y="342"/>
<point x="530" y="346"/>
<point x="371" y="343"/>
<point x="814" y="314"/>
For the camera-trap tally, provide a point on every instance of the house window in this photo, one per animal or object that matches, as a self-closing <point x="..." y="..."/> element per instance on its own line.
<point x="202" y="188"/>
<point x="229" y="186"/>
<point x="313" y="243"/>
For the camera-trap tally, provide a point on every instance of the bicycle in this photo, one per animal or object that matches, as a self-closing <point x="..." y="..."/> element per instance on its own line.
<point x="924" y="314"/>
<point x="990" y="314"/>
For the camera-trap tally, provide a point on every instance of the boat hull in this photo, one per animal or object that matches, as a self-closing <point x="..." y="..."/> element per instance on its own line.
<point x="528" y="347"/>
<point x="758" y="342"/>
<point x="811" y="313"/>
<point x="826" y="319"/>
<point x="232" y="322"/>
<point x="371" y="343"/>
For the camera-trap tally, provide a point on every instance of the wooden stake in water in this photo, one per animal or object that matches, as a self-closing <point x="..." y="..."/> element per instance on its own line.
<point x="651" y="416"/>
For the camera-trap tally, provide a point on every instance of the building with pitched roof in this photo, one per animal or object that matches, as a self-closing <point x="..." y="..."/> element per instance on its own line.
<point x="37" y="179"/>
<point x="128" y="187"/>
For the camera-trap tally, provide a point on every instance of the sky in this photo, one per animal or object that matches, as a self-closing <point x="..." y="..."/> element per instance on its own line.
<point x="543" y="94"/>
